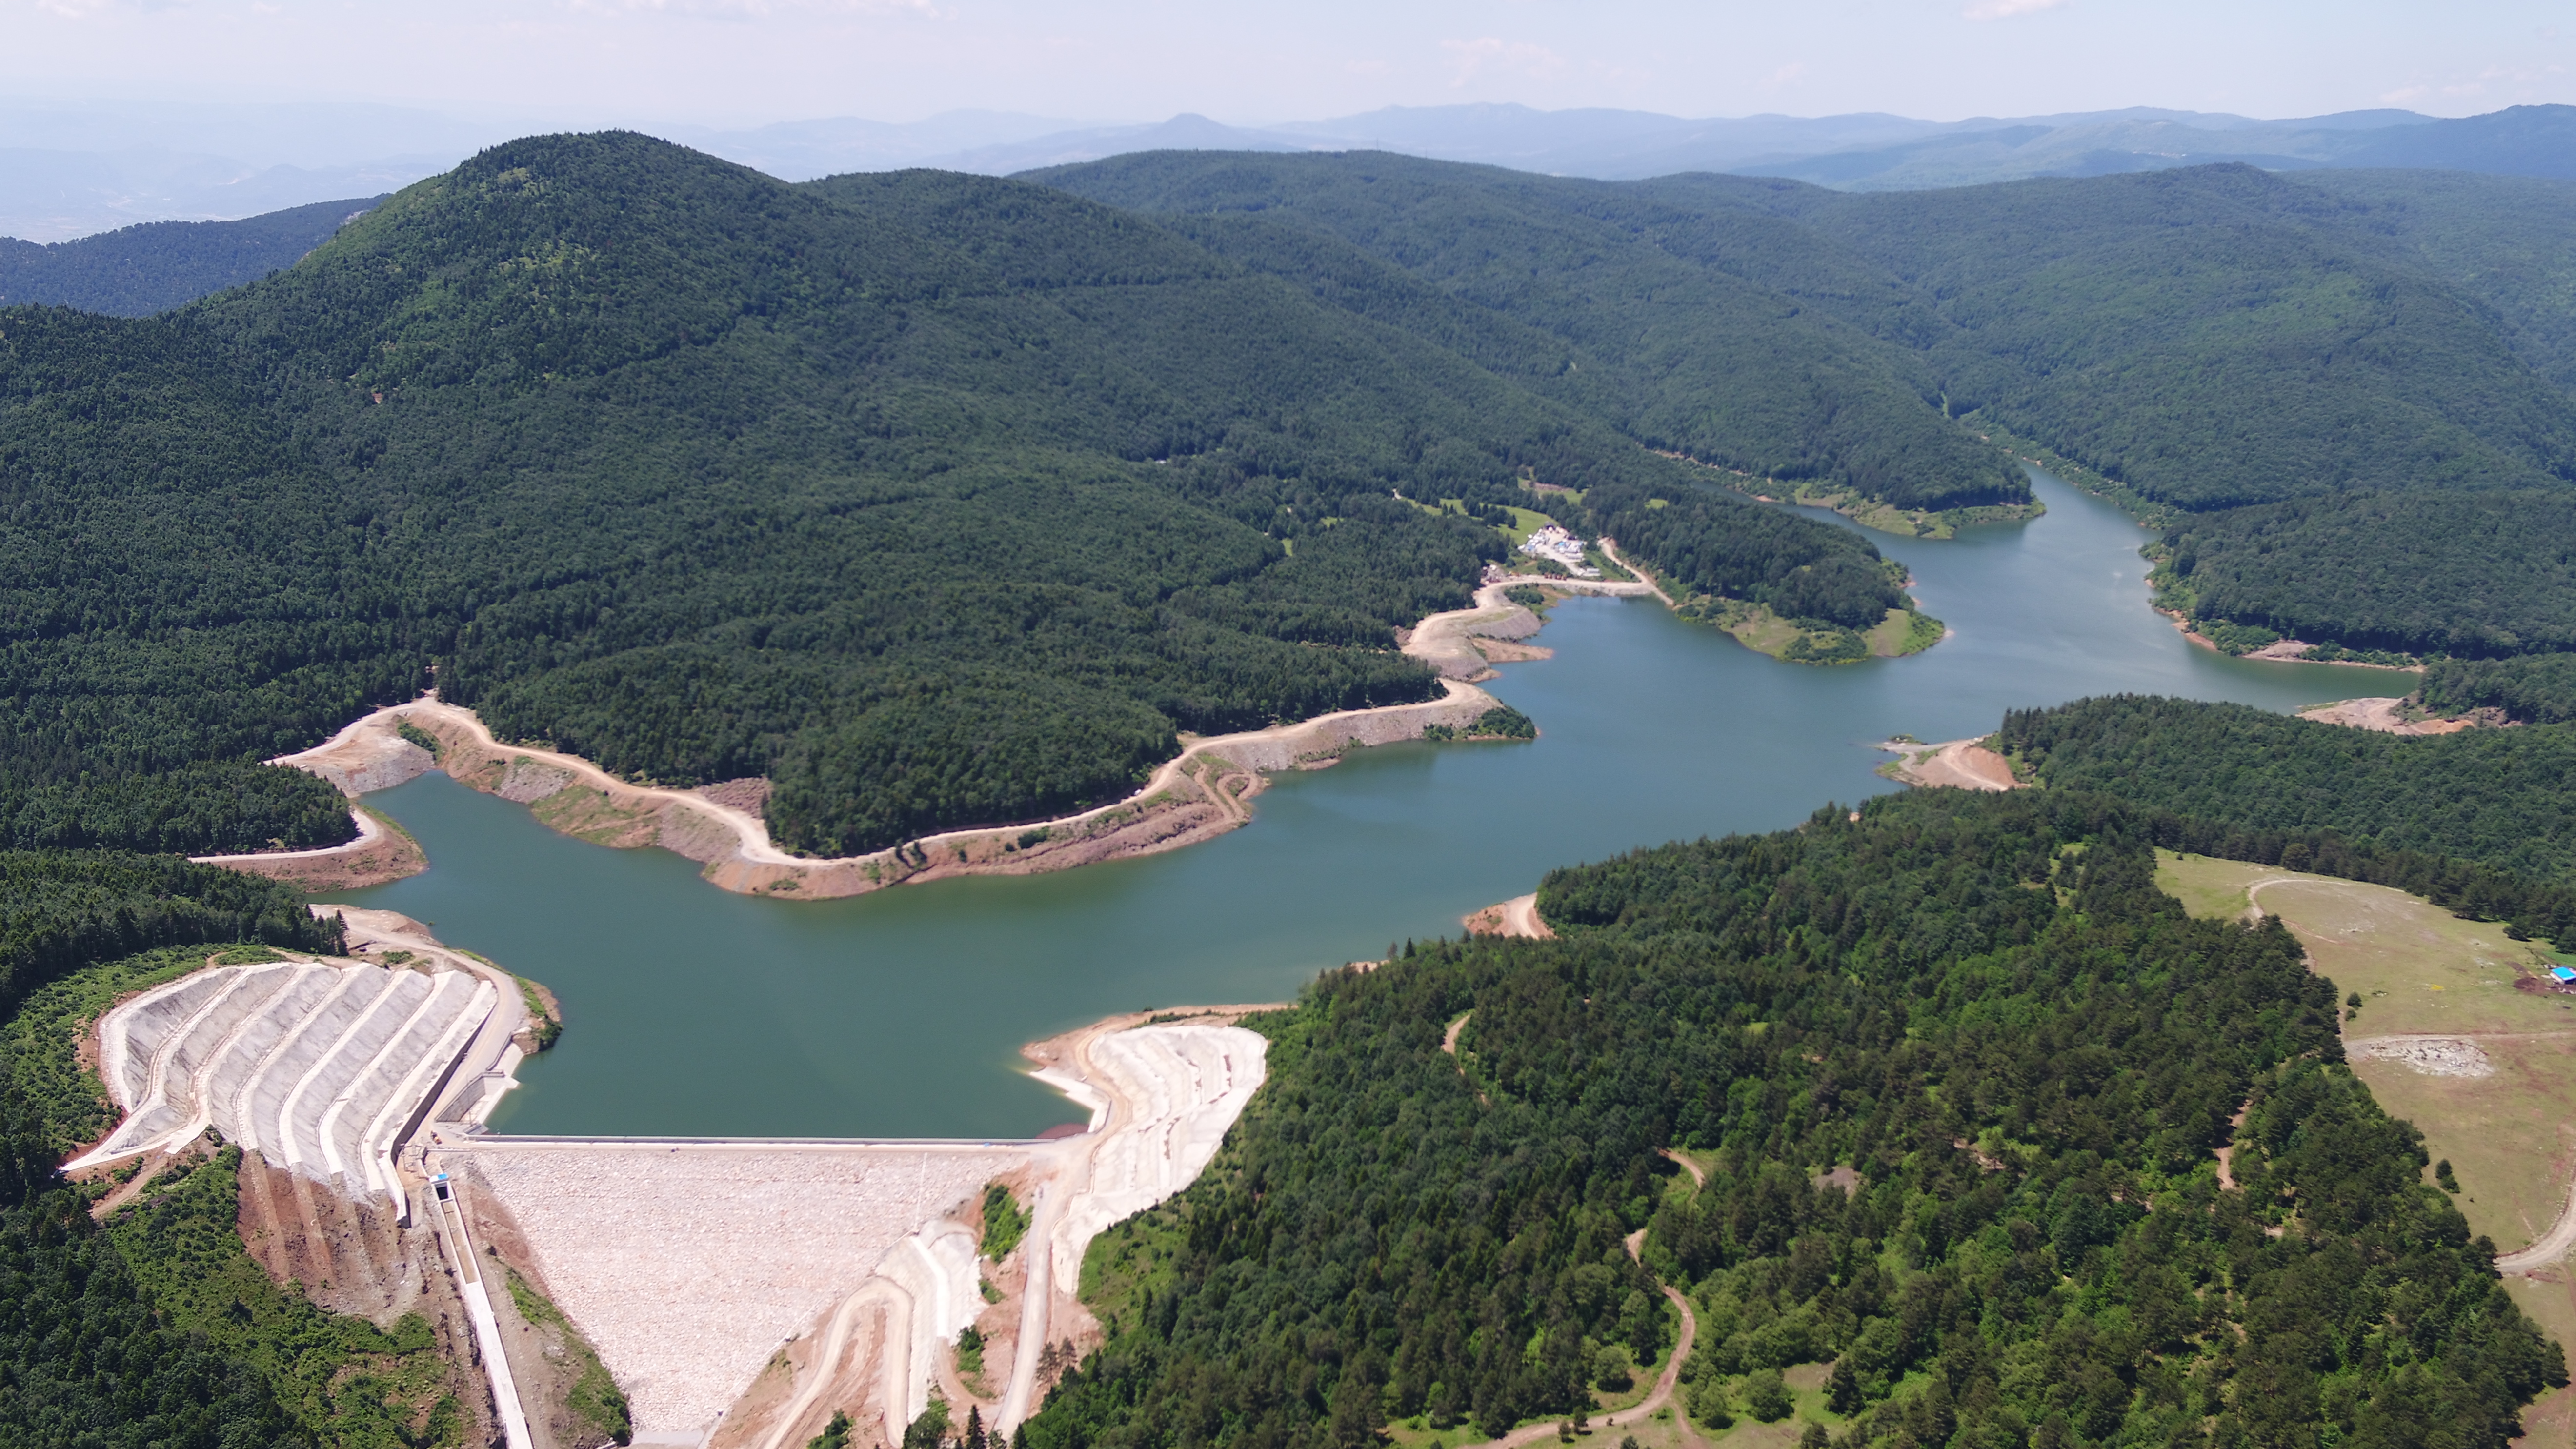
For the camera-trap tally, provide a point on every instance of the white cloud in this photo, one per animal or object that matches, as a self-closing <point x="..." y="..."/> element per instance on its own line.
<point x="2007" y="9"/>
<point x="1470" y="58"/>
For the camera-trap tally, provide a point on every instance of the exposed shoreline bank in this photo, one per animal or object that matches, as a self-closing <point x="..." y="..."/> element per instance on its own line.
<point x="1958" y="764"/>
<point x="1203" y="792"/>
<point x="2288" y="651"/>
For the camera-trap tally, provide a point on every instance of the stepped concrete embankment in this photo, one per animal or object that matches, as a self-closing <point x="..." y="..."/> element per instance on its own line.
<point x="324" y="1067"/>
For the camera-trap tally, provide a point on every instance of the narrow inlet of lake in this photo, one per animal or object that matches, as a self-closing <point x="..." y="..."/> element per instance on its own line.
<point x="691" y="1010"/>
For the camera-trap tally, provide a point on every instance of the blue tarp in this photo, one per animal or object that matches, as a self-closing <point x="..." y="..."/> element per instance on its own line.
<point x="2562" y="973"/>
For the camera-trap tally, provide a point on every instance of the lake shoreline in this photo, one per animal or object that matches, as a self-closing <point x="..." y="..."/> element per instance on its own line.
<point x="1202" y="793"/>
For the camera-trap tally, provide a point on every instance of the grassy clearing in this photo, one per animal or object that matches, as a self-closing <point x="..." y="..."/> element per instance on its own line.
<point x="40" y="1044"/>
<point x="1755" y="627"/>
<point x="1525" y="521"/>
<point x="2551" y="1302"/>
<point x="1132" y="1263"/>
<point x="1005" y="1222"/>
<point x="348" y="1382"/>
<point x="592" y="1396"/>
<point x="1904" y="632"/>
<point x="2419" y="969"/>
<point x="2505" y="1136"/>
<point x="1764" y="632"/>
<point x="586" y="813"/>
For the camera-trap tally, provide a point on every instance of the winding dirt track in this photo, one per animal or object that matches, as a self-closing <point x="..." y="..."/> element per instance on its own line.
<point x="1664" y="1383"/>
<point x="1610" y="551"/>
<point x="2552" y="1246"/>
<point x="1515" y="917"/>
<point x="369" y="834"/>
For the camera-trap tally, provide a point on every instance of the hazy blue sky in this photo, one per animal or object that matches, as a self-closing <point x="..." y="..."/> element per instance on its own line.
<point x="749" y="61"/>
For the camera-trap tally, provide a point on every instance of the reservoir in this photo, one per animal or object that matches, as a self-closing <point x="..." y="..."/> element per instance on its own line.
<point x="692" y="1010"/>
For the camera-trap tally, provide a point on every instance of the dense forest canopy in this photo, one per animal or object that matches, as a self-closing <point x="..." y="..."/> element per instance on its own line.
<point x="1980" y="1003"/>
<point x="2508" y="241"/>
<point x="2533" y="689"/>
<point x="2470" y="574"/>
<point x="938" y="499"/>
<point x="2352" y="349"/>
<point x="140" y="270"/>
<point x="1688" y="328"/>
<point x="2504" y="798"/>
<point x="63" y="909"/>
<point x="2208" y="337"/>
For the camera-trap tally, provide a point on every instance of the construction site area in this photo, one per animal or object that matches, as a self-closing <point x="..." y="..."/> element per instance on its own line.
<point x="715" y="1291"/>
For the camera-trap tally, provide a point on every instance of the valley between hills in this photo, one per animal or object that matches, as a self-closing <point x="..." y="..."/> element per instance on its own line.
<point x="896" y="527"/>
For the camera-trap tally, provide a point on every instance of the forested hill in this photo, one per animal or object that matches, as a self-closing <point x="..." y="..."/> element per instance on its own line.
<point x="1981" y="1005"/>
<point x="156" y="1327"/>
<point x="937" y="499"/>
<point x="2356" y="350"/>
<point x="2482" y="821"/>
<point x="2208" y="337"/>
<point x="1689" y="327"/>
<point x="139" y="270"/>
<point x="2470" y="574"/>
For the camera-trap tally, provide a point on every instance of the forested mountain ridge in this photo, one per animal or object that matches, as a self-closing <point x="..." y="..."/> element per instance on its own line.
<point x="1980" y="1003"/>
<point x="2209" y="337"/>
<point x="2325" y="374"/>
<point x="139" y="270"/>
<point x="2470" y="574"/>
<point x="1687" y="328"/>
<point x="2508" y="241"/>
<point x="938" y="500"/>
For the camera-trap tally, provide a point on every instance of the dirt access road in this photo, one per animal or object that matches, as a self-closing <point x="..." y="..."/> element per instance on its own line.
<point x="1644" y="1408"/>
<point x="1959" y="764"/>
<point x="1515" y="917"/>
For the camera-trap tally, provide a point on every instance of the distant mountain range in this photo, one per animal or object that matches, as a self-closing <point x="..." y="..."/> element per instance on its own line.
<point x="1856" y="152"/>
<point x="70" y="171"/>
<point x="74" y="169"/>
<point x="153" y="266"/>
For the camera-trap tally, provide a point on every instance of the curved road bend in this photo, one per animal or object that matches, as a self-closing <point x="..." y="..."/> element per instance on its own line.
<point x="1665" y="1383"/>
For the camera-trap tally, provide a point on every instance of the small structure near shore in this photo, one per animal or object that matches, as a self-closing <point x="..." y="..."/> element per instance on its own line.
<point x="1556" y="545"/>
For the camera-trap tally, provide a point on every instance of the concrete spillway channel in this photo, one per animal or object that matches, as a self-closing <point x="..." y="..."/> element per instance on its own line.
<point x="324" y="1069"/>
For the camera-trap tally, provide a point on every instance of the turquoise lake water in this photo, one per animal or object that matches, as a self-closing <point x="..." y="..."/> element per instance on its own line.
<point x="693" y="1010"/>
